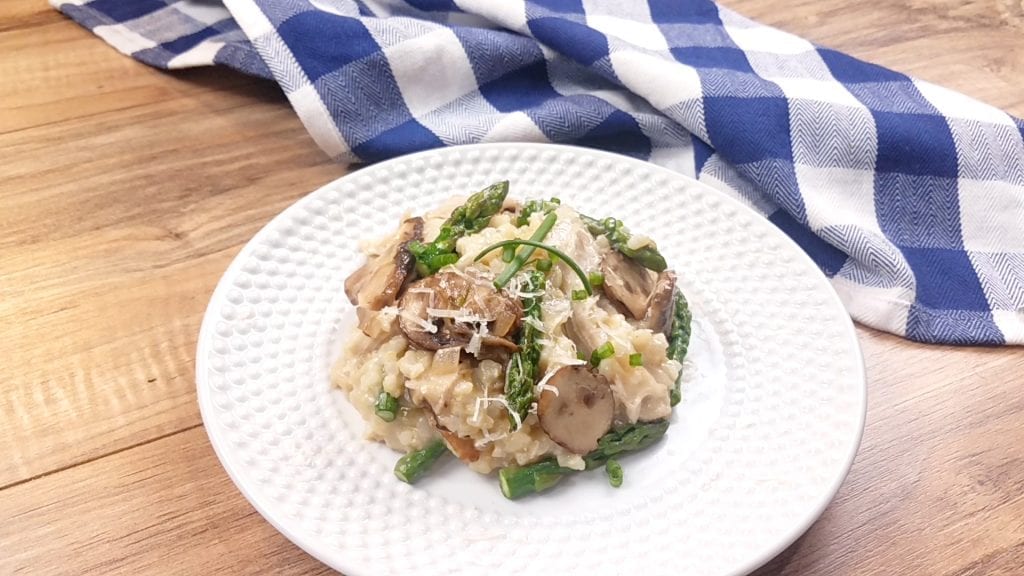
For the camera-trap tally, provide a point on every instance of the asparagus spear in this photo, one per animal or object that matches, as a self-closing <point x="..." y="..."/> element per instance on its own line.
<point x="413" y="465"/>
<point x="521" y="481"/>
<point x="518" y="482"/>
<point x="679" y="341"/>
<point x="521" y="373"/>
<point x="471" y="217"/>
<point x="618" y="236"/>
<point x="625" y="439"/>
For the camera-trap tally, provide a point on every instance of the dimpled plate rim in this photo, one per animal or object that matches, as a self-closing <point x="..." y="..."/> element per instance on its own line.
<point x="239" y="461"/>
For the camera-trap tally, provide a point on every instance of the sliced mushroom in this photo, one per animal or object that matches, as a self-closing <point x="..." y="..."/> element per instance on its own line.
<point x="463" y="448"/>
<point x="378" y="282"/>
<point x="580" y="412"/>
<point x="658" y="317"/>
<point x="373" y="323"/>
<point x="444" y="309"/>
<point x="627" y="282"/>
<point x="582" y="330"/>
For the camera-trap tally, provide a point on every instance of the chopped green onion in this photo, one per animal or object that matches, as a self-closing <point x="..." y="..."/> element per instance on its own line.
<point x="579" y="294"/>
<point x="386" y="406"/>
<point x="508" y="253"/>
<point x="614" y="470"/>
<point x="602" y="352"/>
<point x="580" y="356"/>
<point x="542" y="264"/>
<point x="553" y="252"/>
<point x="596" y="278"/>
<point x="636" y="359"/>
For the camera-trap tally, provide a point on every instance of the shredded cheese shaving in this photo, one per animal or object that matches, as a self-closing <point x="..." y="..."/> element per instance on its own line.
<point x="543" y="383"/>
<point x="461" y="315"/>
<point x="478" y="276"/>
<point x="549" y="388"/>
<point x="388" y="313"/>
<point x="485" y="400"/>
<point x="537" y="324"/>
<point x="420" y="323"/>
<point x="476" y="408"/>
<point x="515" y="288"/>
<point x="515" y="416"/>
<point x="476" y="341"/>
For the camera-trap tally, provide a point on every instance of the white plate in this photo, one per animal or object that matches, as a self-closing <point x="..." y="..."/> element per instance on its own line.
<point x="773" y="408"/>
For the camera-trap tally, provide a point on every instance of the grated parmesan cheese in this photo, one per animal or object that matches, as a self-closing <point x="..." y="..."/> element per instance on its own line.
<point x="461" y="315"/>
<point x="420" y="323"/>
<point x="485" y="400"/>
<point x="537" y="324"/>
<point x="476" y="341"/>
<point x="543" y="387"/>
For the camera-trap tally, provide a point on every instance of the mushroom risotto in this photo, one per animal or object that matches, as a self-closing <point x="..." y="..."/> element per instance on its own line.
<point x="526" y="338"/>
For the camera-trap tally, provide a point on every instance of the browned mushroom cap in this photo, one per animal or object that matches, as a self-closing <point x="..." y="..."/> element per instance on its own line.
<point x="434" y="312"/>
<point x="580" y="412"/>
<point x="660" y="306"/>
<point x="627" y="282"/>
<point x="377" y="283"/>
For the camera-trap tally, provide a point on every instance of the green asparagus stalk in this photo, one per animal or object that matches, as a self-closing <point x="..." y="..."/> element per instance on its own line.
<point x="471" y="217"/>
<point x="386" y="406"/>
<point x="413" y="465"/>
<point x="521" y="373"/>
<point x="618" y="236"/>
<point x="679" y="341"/>
<point x="519" y="481"/>
<point x="626" y="439"/>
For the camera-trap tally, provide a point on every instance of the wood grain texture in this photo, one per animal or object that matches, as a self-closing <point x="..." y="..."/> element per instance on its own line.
<point x="118" y="217"/>
<point x="161" y="508"/>
<point x="125" y="192"/>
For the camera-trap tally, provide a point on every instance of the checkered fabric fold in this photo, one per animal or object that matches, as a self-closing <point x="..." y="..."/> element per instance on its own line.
<point x="908" y="196"/>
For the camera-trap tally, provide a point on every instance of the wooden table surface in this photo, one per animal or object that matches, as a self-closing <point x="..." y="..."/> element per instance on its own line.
<point x="125" y="192"/>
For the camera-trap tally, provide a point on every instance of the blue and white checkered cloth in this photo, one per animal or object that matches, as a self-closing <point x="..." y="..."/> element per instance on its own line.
<point x="909" y="197"/>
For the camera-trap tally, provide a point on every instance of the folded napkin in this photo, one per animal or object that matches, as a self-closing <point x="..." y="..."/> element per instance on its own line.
<point x="909" y="197"/>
